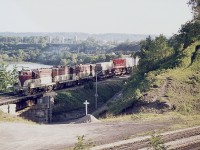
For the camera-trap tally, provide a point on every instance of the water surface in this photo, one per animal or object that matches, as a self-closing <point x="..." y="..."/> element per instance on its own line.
<point x="27" y="66"/>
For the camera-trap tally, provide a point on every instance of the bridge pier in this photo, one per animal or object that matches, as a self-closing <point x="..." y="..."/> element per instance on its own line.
<point x="36" y="107"/>
<point x="41" y="112"/>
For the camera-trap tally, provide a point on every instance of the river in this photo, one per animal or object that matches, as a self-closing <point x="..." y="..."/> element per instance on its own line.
<point x="27" y="66"/>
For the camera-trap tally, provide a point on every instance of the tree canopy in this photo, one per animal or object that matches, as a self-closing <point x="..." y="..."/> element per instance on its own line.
<point x="195" y="4"/>
<point x="153" y="52"/>
<point x="7" y="77"/>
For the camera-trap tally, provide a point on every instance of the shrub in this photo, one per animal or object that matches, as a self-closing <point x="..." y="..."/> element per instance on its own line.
<point x="157" y="142"/>
<point x="82" y="144"/>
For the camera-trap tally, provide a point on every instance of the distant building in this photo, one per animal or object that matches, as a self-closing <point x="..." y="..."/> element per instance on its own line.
<point x="113" y="53"/>
<point x="63" y="39"/>
<point x="75" y="38"/>
<point x="50" y="39"/>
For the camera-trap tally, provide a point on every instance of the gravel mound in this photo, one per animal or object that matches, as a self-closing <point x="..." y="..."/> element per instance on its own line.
<point x="88" y="119"/>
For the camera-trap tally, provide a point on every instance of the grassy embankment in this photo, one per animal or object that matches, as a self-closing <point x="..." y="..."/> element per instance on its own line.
<point x="70" y="100"/>
<point x="181" y="77"/>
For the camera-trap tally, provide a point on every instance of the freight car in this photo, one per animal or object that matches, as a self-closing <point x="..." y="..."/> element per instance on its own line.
<point x="104" y="70"/>
<point x="58" y="77"/>
<point x="124" y="65"/>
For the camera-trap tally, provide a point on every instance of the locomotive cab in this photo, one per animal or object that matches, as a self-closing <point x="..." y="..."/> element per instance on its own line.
<point x="24" y="75"/>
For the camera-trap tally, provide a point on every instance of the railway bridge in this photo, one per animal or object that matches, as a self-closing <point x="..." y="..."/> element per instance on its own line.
<point x="36" y="107"/>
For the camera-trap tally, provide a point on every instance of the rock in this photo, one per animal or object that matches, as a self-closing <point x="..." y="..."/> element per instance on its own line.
<point x="88" y="119"/>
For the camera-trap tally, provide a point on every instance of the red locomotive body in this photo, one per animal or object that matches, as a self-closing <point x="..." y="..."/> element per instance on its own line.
<point x="40" y="73"/>
<point x="124" y="65"/>
<point x="24" y="75"/>
<point x="119" y="65"/>
<point x="84" y="72"/>
<point x="32" y="81"/>
<point x="63" y="76"/>
<point x="59" y="70"/>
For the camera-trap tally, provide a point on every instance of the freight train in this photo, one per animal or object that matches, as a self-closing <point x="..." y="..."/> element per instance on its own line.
<point x="58" y="77"/>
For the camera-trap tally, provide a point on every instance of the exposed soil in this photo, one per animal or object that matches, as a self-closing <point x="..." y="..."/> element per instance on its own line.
<point x="104" y="108"/>
<point x="155" y="101"/>
<point x="60" y="136"/>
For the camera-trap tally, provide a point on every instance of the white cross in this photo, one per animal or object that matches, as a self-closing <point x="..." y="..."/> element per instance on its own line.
<point x="86" y="105"/>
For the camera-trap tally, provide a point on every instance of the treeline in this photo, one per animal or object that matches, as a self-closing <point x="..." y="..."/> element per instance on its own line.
<point x="154" y="52"/>
<point x="33" y="39"/>
<point x="80" y="36"/>
<point x="54" y="58"/>
<point x="88" y="51"/>
<point x="127" y="47"/>
<point x="54" y="43"/>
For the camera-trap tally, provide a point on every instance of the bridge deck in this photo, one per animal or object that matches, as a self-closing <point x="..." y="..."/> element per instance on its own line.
<point x="8" y="99"/>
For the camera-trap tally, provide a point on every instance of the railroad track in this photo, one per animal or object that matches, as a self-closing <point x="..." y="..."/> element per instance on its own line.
<point x="8" y="98"/>
<point x="183" y="139"/>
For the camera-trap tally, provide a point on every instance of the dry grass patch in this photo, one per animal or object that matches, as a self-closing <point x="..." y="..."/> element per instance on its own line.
<point x="175" y="119"/>
<point x="12" y="118"/>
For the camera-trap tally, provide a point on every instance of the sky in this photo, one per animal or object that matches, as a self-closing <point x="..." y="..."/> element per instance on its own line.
<point x="94" y="16"/>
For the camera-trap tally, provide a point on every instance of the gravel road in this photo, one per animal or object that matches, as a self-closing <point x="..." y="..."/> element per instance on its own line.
<point x="19" y="136"/>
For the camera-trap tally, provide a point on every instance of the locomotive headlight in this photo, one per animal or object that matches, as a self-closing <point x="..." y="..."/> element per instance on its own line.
<point x="31" y="85"/>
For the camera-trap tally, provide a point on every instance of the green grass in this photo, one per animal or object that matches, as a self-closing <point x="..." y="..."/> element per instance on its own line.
<point x="82" y="144"/>
<point x="184" y="88"/>
<point x="72" y="100"/>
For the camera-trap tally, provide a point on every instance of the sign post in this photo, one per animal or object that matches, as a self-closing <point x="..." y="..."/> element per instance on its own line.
<point x="86" y="106"/>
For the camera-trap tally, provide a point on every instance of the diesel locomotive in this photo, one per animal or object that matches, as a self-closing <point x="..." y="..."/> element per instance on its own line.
<point x="58" y="77"/>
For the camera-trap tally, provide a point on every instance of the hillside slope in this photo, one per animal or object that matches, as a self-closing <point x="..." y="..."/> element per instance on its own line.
<point x="174" y="86"/>
<point x="69" y="103"/>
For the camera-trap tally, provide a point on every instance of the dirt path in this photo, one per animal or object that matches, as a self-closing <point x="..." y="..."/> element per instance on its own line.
<point x="164" y="89"/>
<point x="104" y="108"/>
<point x="18" y="136"/>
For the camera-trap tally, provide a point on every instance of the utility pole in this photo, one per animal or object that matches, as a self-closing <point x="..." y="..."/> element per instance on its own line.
<point x="96" y="95"/>
<point x="86" y="106"/>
